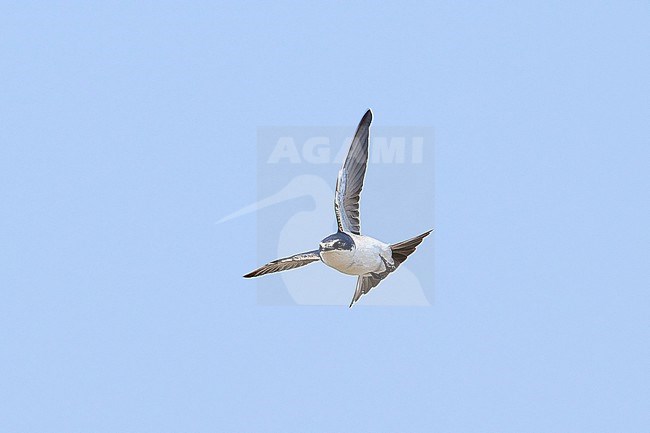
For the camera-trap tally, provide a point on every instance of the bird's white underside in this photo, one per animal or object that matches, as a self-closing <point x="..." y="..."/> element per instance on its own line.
<point x="363" y="259"/>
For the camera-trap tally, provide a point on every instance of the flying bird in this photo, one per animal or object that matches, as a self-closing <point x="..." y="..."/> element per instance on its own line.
<point x="347" y="250"/>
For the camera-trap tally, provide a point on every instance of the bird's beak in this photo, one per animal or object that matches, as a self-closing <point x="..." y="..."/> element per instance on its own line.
<point x="326" y="246"/>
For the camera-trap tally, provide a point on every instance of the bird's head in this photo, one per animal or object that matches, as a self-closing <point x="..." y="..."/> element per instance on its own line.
<point x="337" y="242"/>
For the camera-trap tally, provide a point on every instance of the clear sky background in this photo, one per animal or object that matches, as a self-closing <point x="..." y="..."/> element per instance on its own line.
<point x="128" y="129"/>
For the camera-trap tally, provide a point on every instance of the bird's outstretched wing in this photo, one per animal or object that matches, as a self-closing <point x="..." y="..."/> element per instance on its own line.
<point x="350" y="180"/>
<point x="285" y="264"/>
<point x="364" y="284"/>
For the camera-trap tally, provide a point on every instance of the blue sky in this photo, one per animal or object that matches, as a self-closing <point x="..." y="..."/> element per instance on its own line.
<point x="128" y="129"/>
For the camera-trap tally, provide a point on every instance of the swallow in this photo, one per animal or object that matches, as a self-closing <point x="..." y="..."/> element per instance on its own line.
<point x="347" y="250"/>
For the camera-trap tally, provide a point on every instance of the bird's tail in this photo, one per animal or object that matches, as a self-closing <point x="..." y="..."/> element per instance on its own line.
<point x="402" y="250"/>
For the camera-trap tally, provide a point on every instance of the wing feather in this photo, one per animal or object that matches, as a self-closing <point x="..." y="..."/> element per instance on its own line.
<point x="350" y="179"/>
<point x="364" y="284"/>
<point x="285" y="264"/>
